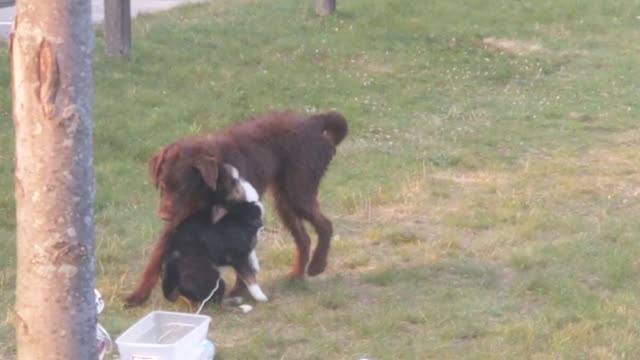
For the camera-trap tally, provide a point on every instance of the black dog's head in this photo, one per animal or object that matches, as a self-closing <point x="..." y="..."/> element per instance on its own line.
<point x="192" y="275"/>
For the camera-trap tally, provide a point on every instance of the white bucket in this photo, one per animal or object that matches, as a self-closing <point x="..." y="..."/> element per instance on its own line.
<point x="163" y="335"/>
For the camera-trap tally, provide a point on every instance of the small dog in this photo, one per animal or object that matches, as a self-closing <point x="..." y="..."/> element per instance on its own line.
<point x="224" y="236"/>
<point x="286" y="153"/>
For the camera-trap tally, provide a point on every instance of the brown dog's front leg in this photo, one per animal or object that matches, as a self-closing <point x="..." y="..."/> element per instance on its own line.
<point x="151" y="272"/>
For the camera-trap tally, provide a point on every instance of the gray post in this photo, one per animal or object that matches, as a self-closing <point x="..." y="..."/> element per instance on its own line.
<point x="325" y="7"/>
<point x="117" y="27"/>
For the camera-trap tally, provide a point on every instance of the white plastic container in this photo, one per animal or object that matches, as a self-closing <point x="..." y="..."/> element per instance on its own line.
<point x="163" y="335"/>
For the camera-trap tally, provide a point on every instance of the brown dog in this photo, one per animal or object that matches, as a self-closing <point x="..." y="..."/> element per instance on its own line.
<point x="285" y="152"/>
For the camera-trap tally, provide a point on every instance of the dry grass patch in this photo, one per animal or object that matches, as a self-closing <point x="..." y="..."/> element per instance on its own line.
<point x="513" y="46"/>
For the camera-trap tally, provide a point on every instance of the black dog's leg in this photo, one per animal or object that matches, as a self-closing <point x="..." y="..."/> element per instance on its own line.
<point x="245" y="268"/>
<point x="171" y="278"/>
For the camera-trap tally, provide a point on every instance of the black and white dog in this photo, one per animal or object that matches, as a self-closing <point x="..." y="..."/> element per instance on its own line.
<point x="225" y="235"/>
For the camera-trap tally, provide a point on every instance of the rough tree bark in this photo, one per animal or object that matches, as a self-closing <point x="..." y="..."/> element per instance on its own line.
<point x="325" y="7"/>
<point x="117" y="27"/>
<point x="51" y="48"/>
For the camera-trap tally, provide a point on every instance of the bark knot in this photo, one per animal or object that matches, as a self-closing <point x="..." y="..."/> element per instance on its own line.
<point x="49" y="76"/>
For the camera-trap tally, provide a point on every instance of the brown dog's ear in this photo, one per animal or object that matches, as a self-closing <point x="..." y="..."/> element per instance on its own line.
<point x="207" y="165"/>
<point x="155" y="164"/>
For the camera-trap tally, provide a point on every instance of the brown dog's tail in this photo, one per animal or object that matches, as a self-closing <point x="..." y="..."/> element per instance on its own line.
<point x="334" y="125"/>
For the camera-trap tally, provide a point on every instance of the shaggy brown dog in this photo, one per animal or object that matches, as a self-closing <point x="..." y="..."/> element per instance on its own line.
<point x="285" y="152"/>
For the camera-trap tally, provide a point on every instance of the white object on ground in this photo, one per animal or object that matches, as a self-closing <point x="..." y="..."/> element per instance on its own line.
<point x="245" y="308"/>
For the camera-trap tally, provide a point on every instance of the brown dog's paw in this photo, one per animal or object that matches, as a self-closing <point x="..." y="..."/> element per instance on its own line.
<point x="317" y="266"/>
<point x="135" y="299"/>
<point x="296" y="273"/>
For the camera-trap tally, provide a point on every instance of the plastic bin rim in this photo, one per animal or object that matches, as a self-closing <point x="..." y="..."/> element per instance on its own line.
<point x="152" y="313"/>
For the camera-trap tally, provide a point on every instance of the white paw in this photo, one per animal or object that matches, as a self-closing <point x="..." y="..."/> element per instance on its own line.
<point x="256" y="292"/>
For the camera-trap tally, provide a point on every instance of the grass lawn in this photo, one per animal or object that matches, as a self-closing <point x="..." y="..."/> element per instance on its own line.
<point x="486" y="201"/>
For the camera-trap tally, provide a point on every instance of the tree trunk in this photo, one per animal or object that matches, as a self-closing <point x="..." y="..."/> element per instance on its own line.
<point x="325" y="7"/>
<point x="117" y="27"/>
<point x="51" y="49"/>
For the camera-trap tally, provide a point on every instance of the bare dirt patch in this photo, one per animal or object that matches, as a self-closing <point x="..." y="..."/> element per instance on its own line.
<point x="512" y="46"/>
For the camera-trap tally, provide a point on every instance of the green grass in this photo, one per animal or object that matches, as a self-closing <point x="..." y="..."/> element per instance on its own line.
<point x="485" y="202"/>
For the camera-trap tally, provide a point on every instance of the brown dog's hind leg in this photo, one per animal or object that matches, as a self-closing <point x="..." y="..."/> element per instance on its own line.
<point x="300" y="236"/>
<point x="324" y="229"/>
<point x="151" y="272"/>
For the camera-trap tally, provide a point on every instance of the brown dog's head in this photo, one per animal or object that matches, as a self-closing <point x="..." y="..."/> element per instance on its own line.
<point x="185" y="174"/>
<point x="190" y="178"/>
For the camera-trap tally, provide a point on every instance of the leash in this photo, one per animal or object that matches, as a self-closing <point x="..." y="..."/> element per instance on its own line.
<point x="208" y="297"/>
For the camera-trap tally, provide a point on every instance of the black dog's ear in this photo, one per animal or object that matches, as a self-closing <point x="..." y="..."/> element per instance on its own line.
<point x="252" y="215"/>
<point x="154" y="165"/>
<point x="257" y="223"/>
<point x="171" y="278"/>
<point x="207" y="165"/>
